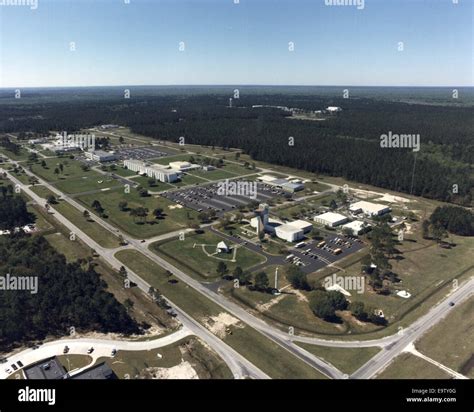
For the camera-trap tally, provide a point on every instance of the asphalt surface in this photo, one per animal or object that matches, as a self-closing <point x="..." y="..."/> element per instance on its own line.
<point x="80" y="346"/>
<point x="287" y="341"/>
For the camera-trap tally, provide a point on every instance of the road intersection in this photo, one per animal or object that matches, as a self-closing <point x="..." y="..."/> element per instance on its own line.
<point x="391" y="345"/>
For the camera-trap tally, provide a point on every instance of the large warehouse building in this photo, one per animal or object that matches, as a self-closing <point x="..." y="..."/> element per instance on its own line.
<point x="101" y="156"/>
<point x="369" y="208"/>
<point x="283" y="184"/>
<point x="160" y="173"/>
<point x="331" y="219"/>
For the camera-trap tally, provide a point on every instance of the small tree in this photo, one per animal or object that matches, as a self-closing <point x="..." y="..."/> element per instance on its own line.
<point x="221" y="268"/>
<point x="261" y="281"/>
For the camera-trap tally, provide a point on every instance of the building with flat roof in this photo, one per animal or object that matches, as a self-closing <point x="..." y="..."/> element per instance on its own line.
<point x="161" y="173"/>
<point x="356" y="227"/>
<point x="331" y="219"/>
<point x="100" y="371"/>
<point x="333" y="109"/>
<point x="282" y="183"/>
<point x="46" y="369"/>
<point x="369" y="208"/>
<point x="183" y="166"/>
<point x="289" y="233"/>
<point x="101" y="156"/>
<point x="302" y="225"/>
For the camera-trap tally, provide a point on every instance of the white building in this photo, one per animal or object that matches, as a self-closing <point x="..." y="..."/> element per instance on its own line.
<point x="289" y="233"/>
<point x="356" y="227"/>
<point x="183" y="166"/>
<point x="101" y="156"/>
<point x="331" y="219"/>
<point x="301" y="225"/>
<point x="333" y="109"/>
<point x="369" y="208"/>
<point x="267" y="178"/>
<point x="222" y="248"/>
<point x="159" y="172"/>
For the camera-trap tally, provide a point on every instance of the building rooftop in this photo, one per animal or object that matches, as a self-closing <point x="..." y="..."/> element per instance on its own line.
<point x="331" y="217"/>
<point x="100" y="371"/>
<point x="368" y="206"/>
<point x="46" y="369"/>
<point x="300" y="224"/>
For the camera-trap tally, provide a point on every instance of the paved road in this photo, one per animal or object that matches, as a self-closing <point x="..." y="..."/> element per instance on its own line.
<point x="102" y="348"/>
<point x="414" y="332"/>
<point x="285" y="340"/>
<point x="239" y="366"/>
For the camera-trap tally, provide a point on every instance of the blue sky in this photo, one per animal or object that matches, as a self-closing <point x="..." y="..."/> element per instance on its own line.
<point x="245" y="43"/>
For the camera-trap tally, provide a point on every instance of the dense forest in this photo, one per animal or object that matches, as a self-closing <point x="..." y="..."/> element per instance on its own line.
<point x="346" y="144"/>
<point x="454" y="219"/>
<point x="13" y="211"/>
<point x="68" y="296"/>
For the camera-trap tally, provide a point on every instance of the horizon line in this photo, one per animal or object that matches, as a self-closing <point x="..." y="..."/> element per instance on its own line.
<point x="232" y="85"/>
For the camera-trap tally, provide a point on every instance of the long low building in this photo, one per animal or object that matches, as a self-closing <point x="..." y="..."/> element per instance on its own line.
<point x="331" y="219"/>
<point x="369" y="208"/>
<point x="160" y="173"/>
<point x="101" y="156"/>
<point x="282" y="183"/>
<point x="289" y="233"/>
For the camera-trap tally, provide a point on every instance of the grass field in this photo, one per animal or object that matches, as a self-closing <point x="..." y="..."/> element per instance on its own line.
<point x="158" y="187"/>
<point x="71" y="362"/>
<point x="408" y="366"/>
<point x="197" y="252"/>
<point x="131" y="364"/>
<point x="71" y="169"/>
<point x="91" y="228"/>
<point x="450" y="342"/>
<point x="65" y="246"/>
<point x="347" y="360"/>
<point x="92" y="181"/>
<point x="174" y="218"/>
<point x="21" y="156"/>
<point x="246" y="341"/>
<point x="43" y="191"/>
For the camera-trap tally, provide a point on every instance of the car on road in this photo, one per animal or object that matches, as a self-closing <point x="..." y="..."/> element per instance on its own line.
<point x="14" y="367"/>
<point x="451" y="303"/>
<point x="20" y="364"/>
<point x="8" y="370"/>
<point x="66" y="349"/>
<point x="114" y="352"/>
<point x="90" y="350"/>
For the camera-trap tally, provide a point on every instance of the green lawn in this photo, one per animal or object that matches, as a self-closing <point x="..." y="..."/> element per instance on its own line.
<point x="91" y="228"/>
<point x="121" y="171"/>
<point x="450" y="342"/>
<point x="43" y="191"/>
<point x="264" y="353"/>
<point x="216" y="174"/>
<point x="174" y="218"/>
<point x="158" y="187"/>
<point x="65" y="246"/>
<point x="408" y="366"/>
<point x="347" y="360"/>
<point x="92" y="181"/>
<point x="131" y="364"/>
<point x="71" y="169"/>
<point x="71" y="362"/>
<point x="21" y="156"/>
<point x="197" y="252"/>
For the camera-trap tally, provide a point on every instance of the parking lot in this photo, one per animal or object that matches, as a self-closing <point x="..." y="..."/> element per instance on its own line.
<point x="206" y="198"/>
<point x="315" y="254"/>
<point x="142" y="153"/>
